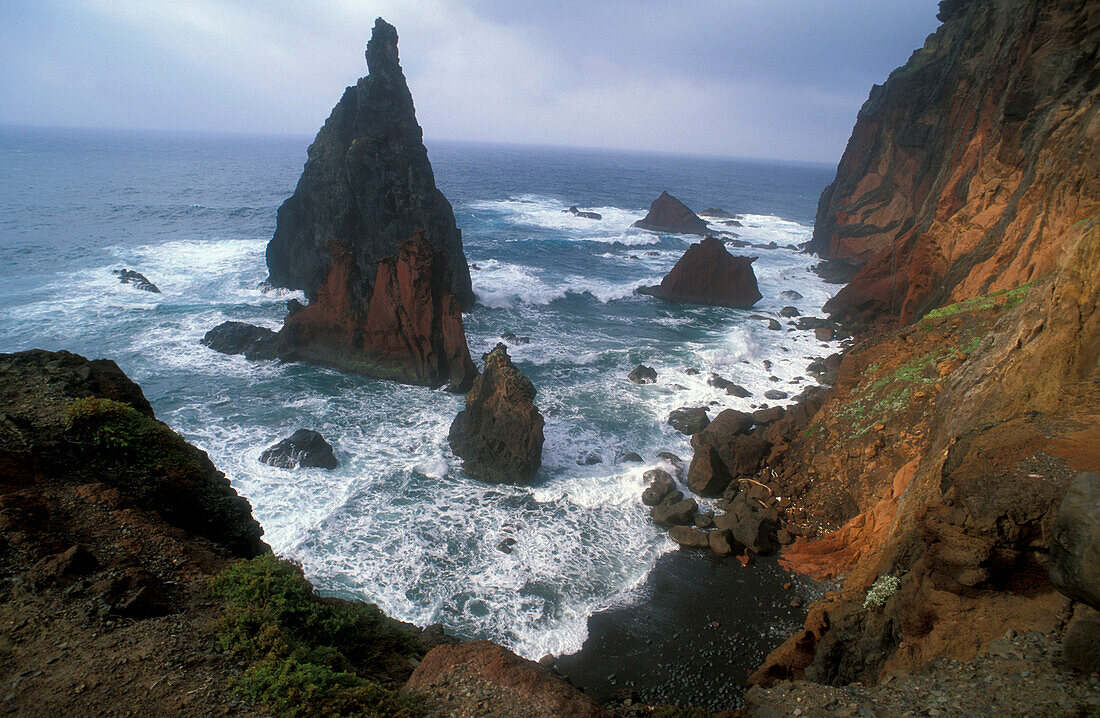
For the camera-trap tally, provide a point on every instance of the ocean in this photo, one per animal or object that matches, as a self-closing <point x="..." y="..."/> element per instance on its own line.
<point x="398" y="523"/>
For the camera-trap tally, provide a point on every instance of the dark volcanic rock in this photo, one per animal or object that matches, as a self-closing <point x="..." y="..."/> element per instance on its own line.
<point x="499" y="433"/>
<point x="709" y="274"/>
<point x="661" y="484"/>
<point x="689" y="537"/>
<point x="730" y="388"/>
<point x="688" y="420"/>
<point x="70" y="422"/>
<point x="411" y="330"/>
<point x="238" y="338"/>
<point x="642" y="374"/>
<point x="789" y="311"/>
<point x="138" y="280"/>
<point x="723" y="452"/>
<point x="1075" y="542"/>
<point x="579" y="213"/>
<point x="304" y="448"/>
<point x="675" y="513"/>
<point x="668" y="214"/>
<point x="715" y="212"/>
<point x="368" y="181"/>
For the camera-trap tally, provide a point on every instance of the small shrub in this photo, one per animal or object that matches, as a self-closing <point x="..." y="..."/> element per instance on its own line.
<point x="881" y="590"/>
<point x="104" y="423"/>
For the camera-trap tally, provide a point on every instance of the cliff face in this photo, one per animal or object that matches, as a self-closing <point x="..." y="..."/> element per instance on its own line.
<point x="970" y="192"/>
<point x="368" y="180"/>
<point x="967" y="168"/>
<point x="410" y="330"/>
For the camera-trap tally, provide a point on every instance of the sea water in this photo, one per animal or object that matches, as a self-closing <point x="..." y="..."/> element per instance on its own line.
<point x="398" y="523"/>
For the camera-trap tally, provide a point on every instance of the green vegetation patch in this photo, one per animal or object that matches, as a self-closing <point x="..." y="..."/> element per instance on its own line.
<point x="1005" y="298"/>
<point x="105" y="423"/>
<point x="308" y="655"/>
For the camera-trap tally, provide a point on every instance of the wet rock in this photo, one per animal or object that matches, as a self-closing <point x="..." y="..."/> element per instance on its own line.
<point x="304" y="448"/>
<point x="723" y="451"/>
<point x="688" y="420"/>
<point x="1075" y="541"/>
<point x="579" y="213"/>
<point x="499" y="434"/>
<point x="716" y="213"/>
<point x="789" y="311"/>
<point x="668" y="214"/>
<point x="136" y="280"/>
<point x="238" y="338"/>
<point x="790" y="295"/>
<point x="705" y="520"/>
<point x="729" y="387"/>
<point x="775" y="394"/>
<point x="506" y="545"/>
<point x="824" y="334"/>
<point x="709" y="274"/>
<point x="643" y="374"/>
<point x="722" y="542"/>
<point x="367" y="180"/>
<point x="748" y="527"/>
<point x="767" y="416"/>
<point x="689" y="537"/>
<point x="511" y="338"/>
<point x="678" y="513"/>
<point x="660" y="486"/>
<point x="630" y="457"/>
<point x="589" y="459"/>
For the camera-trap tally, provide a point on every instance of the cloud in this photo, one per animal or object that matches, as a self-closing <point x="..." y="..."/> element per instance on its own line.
<point x="765" y="78"/>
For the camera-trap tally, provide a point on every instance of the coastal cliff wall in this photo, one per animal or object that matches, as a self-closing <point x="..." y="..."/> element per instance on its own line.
<point x="969" y="197"/>
<point x="969" y="165"/>
<point x="367" y="180"/>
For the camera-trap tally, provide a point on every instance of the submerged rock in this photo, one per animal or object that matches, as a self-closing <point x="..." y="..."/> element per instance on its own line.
<point x="239" y="338"/>
<point x="579" y="213"/>
<point x="716" y="212"/>
<point x="304" y="448"/>
<point x="729" y="387"/>
<point x="709" y="274"/>
<point x="499" y="435"/>
<point x="643" y="374"/>
<point x="668" y="214"/>
<point x="367" y="180"/>
<point x="136" y="279"/>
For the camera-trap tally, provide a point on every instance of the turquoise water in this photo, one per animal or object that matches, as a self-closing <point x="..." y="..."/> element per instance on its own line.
<point x="398" y="522"/>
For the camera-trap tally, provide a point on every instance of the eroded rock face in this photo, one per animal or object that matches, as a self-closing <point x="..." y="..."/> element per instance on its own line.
<point x="968" y="166"/>
<point x="368" y="181"/>
<point x="410" y="330"/>
<point x="668" y="214"/>
<point x="499" y="433"/>
<point x="709" y="274"/>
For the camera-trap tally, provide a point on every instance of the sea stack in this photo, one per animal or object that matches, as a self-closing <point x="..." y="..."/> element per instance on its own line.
<point x="709" y="274"/>
<point x="668" y="214"/>
<point x="367" y="180"/>
<point x="410" y="331"/>
<point x="499" y="433"/>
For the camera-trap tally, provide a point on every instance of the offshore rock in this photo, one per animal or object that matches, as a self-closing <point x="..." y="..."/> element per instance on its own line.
<point x="969" y="166"/>
<point x="239" y="338"/>
<point x="499" y="433"/>
<point x="367" y="180"/>
<point x="668" y="214"/>
<point x="136" y="279"/>
<point x="304" y="448"/>
<point x="689" y="420"/>
<point x="410" y="331"/>
<point x="709" y="274"/>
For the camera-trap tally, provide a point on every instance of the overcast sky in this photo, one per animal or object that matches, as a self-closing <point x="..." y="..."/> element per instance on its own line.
<point x="779" y="79"/>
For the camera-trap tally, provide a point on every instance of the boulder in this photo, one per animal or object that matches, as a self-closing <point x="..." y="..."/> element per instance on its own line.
<point x="630" y="457"/>
<point x="239" y="338"/>
<point x="464" y="678"/>
<point x="511" y="338"/>
<point x="729" y="387"/>
<point x="499" y="435"/>
<point x="709" y="274"/>
<point x="775" y="394"/>
<point x="579" y="213"/>
<point x="668" y="214"/>
<point x="643" y="374"/>
<point x="1075" y="541"/>
<point x="1081" y="643"/>
<point x="722" y="542"/>
<point x="689" y="537"/>
<point x="724" y="451"/>
<point x="304" y="448"/>
<point x="748" y="527"/>
<point x="688" y="420"/>
<point x="729" y="422"/>
<point x="367" y="180"/>
<point x="707" y="475"/>
<point x="410" y="330"/>
<point x="789" y="312"/>
<point x="674" y="513"/>
<point x="136" y="279"/>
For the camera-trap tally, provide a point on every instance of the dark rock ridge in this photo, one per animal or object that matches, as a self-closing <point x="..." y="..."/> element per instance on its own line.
<point x="499" y="433"/>
<point x="305" y="448"/>
<point x="967" y="169"/>
<point x="709" y="274"/>
<point x="580" y="213"/>
<point x="668" y="214"/>
<point x="136" y="279"/>
<point x="66" y="421"/>
<point x="410" y="330"/>
<point x="368" y="181"/>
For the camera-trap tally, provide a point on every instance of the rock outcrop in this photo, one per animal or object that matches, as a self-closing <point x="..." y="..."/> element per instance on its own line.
<point x="367" y="180"/>
<point x="1075" y="543"/>
<point x="136" y="280"/>
<point x="668" y="214"/>
<point x="410" y="330"/>
<point x="968" y="168"/>
<point x="240" y="338"/>
<point x="304" y="448"/>
<point x="709" y="274"/>
<point x="499" y="433"/>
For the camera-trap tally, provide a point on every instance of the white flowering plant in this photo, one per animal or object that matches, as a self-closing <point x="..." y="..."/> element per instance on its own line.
<point x="882" y="589"/>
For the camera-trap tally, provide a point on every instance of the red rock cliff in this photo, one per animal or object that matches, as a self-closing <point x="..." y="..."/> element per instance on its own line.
<point x="410" y="330"/>
<point x="968" y="166"/>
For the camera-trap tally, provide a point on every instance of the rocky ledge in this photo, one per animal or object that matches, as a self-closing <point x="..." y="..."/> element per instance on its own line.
<point x="709" y="274"/>
<point x="499" y="433"/>
<point x="668" y="214"/>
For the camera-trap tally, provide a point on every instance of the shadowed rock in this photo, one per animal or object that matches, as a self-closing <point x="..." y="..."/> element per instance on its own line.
<point x="304" y="448"/>
<point x="136" y="279"/>
<point x="709" y="274"/>
<point x="668" y="214"/>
